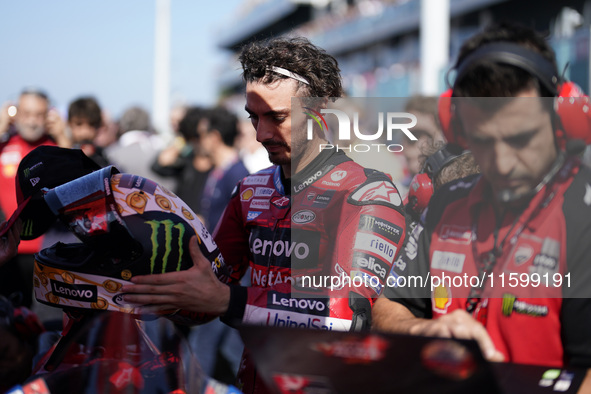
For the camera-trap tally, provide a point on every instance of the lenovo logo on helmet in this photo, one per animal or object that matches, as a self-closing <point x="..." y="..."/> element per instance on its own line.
<point x="86" y="293"/>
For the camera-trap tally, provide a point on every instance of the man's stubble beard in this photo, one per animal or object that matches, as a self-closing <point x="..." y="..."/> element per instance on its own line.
<point x="30" y="133"/>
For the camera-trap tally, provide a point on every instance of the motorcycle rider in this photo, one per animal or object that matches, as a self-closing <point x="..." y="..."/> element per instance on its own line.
<point x="315" y="212"/>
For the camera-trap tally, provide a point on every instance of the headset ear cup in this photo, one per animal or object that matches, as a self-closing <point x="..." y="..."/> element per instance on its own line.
<point x="449" y="122"/>
<point x="574" y="111"/>
<point x="420" y="192"/>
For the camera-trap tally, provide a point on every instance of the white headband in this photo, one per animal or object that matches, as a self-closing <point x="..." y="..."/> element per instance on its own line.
<point x="289" y="74"/>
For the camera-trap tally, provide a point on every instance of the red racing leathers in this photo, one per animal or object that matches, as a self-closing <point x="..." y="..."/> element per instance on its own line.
<point x="331" y="221"/>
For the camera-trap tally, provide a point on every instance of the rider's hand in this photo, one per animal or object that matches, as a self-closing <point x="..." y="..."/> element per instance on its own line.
<point x="459" y="324"/>
<point x="196" y="289"/>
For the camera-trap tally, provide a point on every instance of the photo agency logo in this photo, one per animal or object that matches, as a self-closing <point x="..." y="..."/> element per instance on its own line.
<point x="356" y="129"/>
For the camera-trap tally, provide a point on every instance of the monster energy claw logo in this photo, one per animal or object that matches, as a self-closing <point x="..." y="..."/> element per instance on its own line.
<point x="27" y="171"/>
<point x="27" y="228"/>
<point x="169" y="240"/>
<point x="512" y="304"/>
<point x="508" y="303"/>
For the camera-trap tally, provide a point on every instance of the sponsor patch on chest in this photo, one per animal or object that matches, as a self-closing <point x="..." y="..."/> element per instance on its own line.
<point x="448" y="261"/>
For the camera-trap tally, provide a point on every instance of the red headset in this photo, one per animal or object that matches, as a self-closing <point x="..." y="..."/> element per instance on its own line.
<point x="420" y="191"/>
<point x="421" y="187"/>
<point x="571" y="105"/>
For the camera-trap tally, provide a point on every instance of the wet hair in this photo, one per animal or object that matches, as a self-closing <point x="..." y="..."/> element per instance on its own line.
<point x="86" y="108"/>
<point x="488" y="78"/>
<point x="297" y="55"/>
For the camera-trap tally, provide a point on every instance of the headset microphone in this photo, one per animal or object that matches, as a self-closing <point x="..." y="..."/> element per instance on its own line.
<point x="573" y="148"/>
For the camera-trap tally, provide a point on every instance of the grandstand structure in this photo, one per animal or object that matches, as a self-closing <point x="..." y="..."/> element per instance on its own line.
<point x="378" y="42"/>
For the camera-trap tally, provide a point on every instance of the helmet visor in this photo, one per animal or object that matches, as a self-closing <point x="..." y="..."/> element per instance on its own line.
<point x="86" y="205"/>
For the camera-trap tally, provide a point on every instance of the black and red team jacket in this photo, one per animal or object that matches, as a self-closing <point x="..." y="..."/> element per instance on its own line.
<point x="536" y="300"/>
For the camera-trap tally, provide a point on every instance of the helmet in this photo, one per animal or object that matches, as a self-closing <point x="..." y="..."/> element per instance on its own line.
<point x="129" y="225"/>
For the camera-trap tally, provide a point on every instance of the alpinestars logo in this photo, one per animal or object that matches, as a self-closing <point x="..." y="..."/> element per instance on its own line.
<point x="380" y="192"/>
<point x="280" y="202"/>
<point x="167" y="238"/>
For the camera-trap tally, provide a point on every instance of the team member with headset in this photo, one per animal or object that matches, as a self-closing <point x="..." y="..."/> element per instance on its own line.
<point x="529" y="213"/>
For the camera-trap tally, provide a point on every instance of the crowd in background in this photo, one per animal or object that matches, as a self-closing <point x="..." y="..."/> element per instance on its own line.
<point x="522" y="204"/>
<point x="211" y="149"/>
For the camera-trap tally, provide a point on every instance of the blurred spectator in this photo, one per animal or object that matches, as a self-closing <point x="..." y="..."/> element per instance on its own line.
<point x="253" y="153"/>
<point x="33" y="125"/>
<point x="107" y="133"/>
<point x="85" y="120"/>
<point x="135" y="118"/>
<point x="137" y="147"/>
<point x="185" y="161"/>
<point x="217" y="131"/>
<point x="177" y="113"/>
